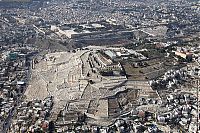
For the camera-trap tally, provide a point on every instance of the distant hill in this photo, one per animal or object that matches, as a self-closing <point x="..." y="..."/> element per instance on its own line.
<point x="15" y="0"/>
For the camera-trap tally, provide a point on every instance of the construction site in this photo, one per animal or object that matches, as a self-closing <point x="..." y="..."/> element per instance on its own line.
<point x="76" y="82"/>
<point x="104" y="86"/>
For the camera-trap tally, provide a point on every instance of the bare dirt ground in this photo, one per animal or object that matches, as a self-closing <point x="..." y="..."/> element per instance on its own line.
<point x="58" y="75"/>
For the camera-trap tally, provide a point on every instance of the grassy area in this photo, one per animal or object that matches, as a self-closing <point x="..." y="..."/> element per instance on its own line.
<point x="153" y="68"/>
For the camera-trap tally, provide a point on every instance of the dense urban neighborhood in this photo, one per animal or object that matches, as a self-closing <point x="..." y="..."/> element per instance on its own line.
<point x="99" y="66"/>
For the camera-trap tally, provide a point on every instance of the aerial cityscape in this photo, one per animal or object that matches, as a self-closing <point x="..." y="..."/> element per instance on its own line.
<point x="99" y="66"/>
